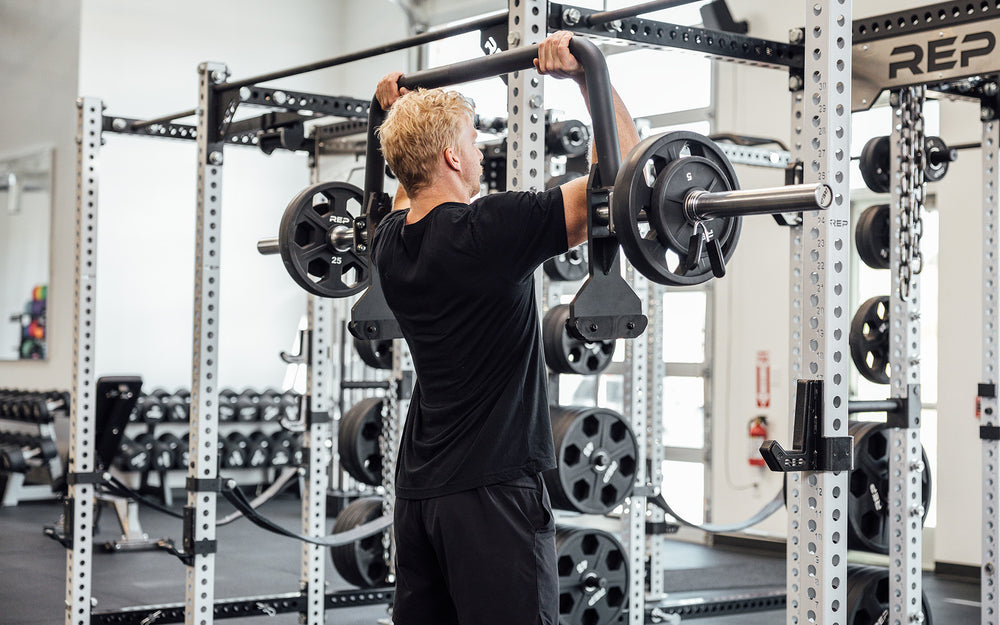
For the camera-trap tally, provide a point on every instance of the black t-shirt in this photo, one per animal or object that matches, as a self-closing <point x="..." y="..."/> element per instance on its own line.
<point x="460" y="283"/>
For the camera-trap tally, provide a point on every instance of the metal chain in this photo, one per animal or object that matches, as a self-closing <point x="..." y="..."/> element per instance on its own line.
<point x="387" y="447"/>
<point x="911" y="185"/>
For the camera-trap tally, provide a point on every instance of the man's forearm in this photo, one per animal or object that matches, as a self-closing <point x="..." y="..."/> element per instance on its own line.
<point x="628" y="136"/>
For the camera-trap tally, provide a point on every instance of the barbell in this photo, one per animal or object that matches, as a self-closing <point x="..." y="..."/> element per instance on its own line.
<point x="675" y="208"/>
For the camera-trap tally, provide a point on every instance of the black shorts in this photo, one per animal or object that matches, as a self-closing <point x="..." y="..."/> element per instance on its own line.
<point x="485" y="556"/>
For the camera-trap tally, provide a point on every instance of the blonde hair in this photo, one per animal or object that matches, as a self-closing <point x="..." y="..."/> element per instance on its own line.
<point x="417" y="129"/>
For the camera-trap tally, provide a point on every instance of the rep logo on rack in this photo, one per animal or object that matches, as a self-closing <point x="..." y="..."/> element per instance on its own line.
<point x="941" y="54"/>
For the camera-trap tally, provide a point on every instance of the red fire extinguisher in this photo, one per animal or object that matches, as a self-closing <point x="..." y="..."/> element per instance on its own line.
<point x="758" y="434"/>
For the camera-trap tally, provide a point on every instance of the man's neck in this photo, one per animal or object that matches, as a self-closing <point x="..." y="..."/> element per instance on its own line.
<point x="431" y="197"/>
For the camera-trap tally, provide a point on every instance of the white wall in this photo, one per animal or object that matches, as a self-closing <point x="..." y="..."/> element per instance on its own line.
<point x="752" y="308"/>
<point x="38" y="67"/>
<point x="141" y="59"/>
<point x="959" y="473"/>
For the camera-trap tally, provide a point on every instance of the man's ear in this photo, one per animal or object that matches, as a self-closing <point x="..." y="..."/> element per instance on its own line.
<point x="451" y="159"/>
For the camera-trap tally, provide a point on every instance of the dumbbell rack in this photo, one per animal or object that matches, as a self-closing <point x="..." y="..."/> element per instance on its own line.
<point x="14" y="489"/>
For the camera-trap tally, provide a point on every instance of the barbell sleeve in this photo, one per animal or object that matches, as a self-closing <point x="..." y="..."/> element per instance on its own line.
<point x="341" y="239"/>
<point x="266" y="247"/>
<point x="703" y="205"/>
<point x="879" y="405"/>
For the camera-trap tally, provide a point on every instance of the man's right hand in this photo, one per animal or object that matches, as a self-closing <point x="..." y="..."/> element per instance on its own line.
<point x="387" y="91"/>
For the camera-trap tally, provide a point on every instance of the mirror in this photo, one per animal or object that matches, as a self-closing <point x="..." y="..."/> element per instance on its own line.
<point x="25" y="221"/>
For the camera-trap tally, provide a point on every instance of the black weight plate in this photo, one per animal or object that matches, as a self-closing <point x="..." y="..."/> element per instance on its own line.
<point x="567" y="138"/>
<point x="869" y="339"/>
<point x="361" y="563"/>
<point x="868" y="498"/>
<point x="565" y="354"/>
<point x="654" y="172"/>
<point x="596" y="454"/>
<point x="570" y="266"/>
<point x="593" y="576"/>
<point x="872" y="236"/>
<point x="304" y="241"/>
<point x="868" y="596"/>
<point x="376" y="354"/>
<point x="936" y="159"/>
<point x="874" y="164"/>
<point x="357" y="441"/>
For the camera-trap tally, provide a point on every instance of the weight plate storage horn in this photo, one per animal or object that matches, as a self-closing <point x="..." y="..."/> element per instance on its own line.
<point x="871" y="236"/>
<point x="357" y="441"/>
<point x="868" y="501"/>
<point x="593" y="576"/>
<point x="596" y="454"/>
<point x="376" y="354"/>
<point x="565" y="354"/>
<point x="313" y="220"/>
<point x="361" y="563"/>
<point x="648" y="207"/>
<point x="568" y="267"/>
<point x="869" y="339"/>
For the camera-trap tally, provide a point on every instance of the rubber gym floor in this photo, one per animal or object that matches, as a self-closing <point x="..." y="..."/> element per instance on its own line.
<point x="252" y="562"/>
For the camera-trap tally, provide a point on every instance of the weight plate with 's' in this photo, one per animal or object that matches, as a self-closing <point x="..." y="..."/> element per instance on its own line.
<point x="869" y="339"/>
<point x="309" y="225"/>
<point x="569" y="266"/>
<point x="871" y="236"/>
<point x="648" y="206"/>
<point x="596" y="454"/>
<point x="868" y="502"/>
<point x="593" y="576"/>
<point x="357" y="441"/>
<point x="565" y="354"/>
<point x="361" y="563"/>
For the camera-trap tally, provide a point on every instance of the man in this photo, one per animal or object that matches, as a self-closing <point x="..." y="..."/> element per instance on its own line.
<point x="474" y="528"/>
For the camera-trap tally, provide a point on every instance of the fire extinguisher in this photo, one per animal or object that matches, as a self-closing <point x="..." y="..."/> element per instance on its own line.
<point x="758" y="434"/>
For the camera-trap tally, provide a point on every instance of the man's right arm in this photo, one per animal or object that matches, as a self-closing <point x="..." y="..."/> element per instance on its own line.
<point x="554" y="58"/>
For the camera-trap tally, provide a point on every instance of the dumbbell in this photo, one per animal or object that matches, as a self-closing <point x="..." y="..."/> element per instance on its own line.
<point x="248" y="406"/>
<point x="132" y="456"/>
<point x="20" y="408"/>
<point x="6" y="405"/>
<point x="296" y="449"/>
<point x="270" y="405"/>
<point x="233" y="451"/>
<point x="183" y="455"/>
<point x="160" y="456"/>
<point x="258" y="449"/>
<point x="281" y="448"/>
<point x="16" y="458"/>
<point x="290" y="405"/>
<point x="38" y="407"/>
<point x="151" y="409"/>
<point x="227" y="404"/>
<point x="172" y="443"/>
<point x="178" y="406"/>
